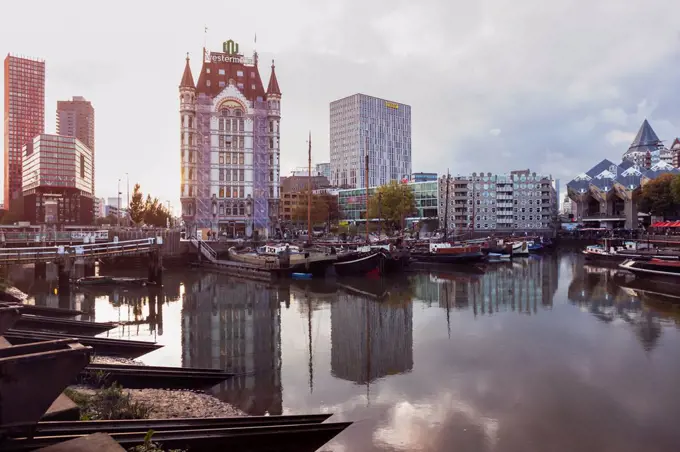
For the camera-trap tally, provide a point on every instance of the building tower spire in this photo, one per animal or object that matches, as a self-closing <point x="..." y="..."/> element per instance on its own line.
<point x="273" y="87"/>
<point x="187" y="78"/>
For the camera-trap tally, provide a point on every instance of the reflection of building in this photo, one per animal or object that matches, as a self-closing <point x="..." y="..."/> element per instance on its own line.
<point x="24" y="116"/>
<point x="352" y="202"/>
<point x="521" y="200"/>
<point x="230" y="144"/>
<point x="521" y="286"/>
<point x="360" y="120"/>
<point x="237" y="327"/>
<point x="607" y="194"/>
<point x="57" y="181"/>
<point x="370" y="339"/>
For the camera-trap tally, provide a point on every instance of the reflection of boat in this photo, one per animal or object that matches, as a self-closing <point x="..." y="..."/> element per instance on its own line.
<point x="653" y="268"/>
<point x="113" y="281"/>
<point x="659" y="289"/>
<point x="365" y="287"/>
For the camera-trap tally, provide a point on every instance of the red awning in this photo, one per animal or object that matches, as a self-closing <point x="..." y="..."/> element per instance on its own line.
<point x="675" y="224"/>
<point x="658" y="224"/>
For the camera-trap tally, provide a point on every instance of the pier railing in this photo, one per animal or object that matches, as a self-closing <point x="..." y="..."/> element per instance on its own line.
<point x="85" y="251"/>
<point x="54" y="236"/>
<point x="205" y="249"/>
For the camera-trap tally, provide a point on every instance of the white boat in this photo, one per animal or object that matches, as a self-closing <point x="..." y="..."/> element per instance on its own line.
<point x="520" y="249"/>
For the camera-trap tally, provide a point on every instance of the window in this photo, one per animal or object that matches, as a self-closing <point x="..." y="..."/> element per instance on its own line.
<point x="227" y="191"/>
<point x="221" y="192"/>
<point x="207" y="83"/>
<point x="221" y="71"/>
<point x="221" y="175"/>
<point x="221" y="84"/>
<point x="242" y="176"/>
<point x="227" y="159"/>
<point x="221" y="209"/>
<point x="241" y="159"/>
<point x="228" y="175"/>
<point x="221" y="158"/>
<point x="241" y="192"/>
<point x="239" y="73"/>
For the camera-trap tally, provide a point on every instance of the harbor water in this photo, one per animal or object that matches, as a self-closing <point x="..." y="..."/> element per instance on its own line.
<point x="541" y="354"/>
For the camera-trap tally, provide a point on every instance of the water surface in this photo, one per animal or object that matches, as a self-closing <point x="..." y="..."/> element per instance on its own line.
<point x="544" y="354"/>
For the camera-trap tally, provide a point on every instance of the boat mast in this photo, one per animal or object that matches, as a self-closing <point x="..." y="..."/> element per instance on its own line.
<point x="309" y="190"/>
<point x="368" y="242"/>
<point x="473" y="208"/>
<point x="446" y="208"/>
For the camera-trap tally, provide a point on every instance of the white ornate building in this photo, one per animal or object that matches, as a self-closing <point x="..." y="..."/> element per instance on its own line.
<point x="230" y="145"/>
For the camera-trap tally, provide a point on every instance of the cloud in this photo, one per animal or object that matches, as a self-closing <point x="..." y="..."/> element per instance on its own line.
<point x="619" y="137"/>
<point x="558" y="76"/>
<point x="495" y="132"/>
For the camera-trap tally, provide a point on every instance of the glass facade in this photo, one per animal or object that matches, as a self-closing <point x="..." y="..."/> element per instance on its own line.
<point x="361" y="121"/>
<point x="352" y="202"/>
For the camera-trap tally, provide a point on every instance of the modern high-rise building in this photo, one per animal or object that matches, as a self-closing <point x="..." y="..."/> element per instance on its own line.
<point x="75" y="118"/>
<point x="361" y="122"/>
<point x="57" y="181"/>
<point x="324" y="169"/>
<point x="24" y="116"/>
<point x="230" y="145"/>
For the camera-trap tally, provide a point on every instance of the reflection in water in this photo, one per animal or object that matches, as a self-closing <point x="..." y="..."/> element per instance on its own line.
<point x="235" y="325"/>
<point x="432" y="361"/>
<point x="370" y="339"/>
<point x="605" y="294"/>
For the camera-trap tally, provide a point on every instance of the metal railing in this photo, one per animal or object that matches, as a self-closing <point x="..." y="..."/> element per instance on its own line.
<point x="94" y="250"/>
<point x="206" y="249"/>
<point x="53" y="236"/>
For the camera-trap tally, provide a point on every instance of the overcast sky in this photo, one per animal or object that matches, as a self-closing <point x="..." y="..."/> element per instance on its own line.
<point x="494" y="85"/>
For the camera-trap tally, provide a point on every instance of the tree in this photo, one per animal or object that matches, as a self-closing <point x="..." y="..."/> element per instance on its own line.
<point x="136" y="206"/>
<point x="657" y="196"/>
<point x="675" y="188"/>
<point x="320" y="210"/>
<point x="392" y="203"/>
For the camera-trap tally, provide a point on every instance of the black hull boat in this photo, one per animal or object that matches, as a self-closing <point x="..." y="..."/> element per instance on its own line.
<point x="597" y="254"/>
<point x="451" y="258"/>
<point x="653" y="268"/>
<point x="397" y="261"/>
<point x="360" y="264"/>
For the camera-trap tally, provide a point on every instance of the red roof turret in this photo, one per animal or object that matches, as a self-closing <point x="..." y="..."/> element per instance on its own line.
<point x="187" y="78"/>
<point x="273" y="87"/>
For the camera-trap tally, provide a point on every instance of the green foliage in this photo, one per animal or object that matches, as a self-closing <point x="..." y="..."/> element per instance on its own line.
<point x="657" y="196"/>
<point x="324" y="210"/>
<point x="393" y="203"/>
<point x="675" y="188"/>
<point x="109" y="219"/>
<point x="108" y="403"/>
<point x="150" y="446"/>
<point x="137" y="205"/>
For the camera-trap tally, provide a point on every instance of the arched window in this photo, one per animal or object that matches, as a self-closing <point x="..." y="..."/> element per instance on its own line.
<point x="241" y="209"/>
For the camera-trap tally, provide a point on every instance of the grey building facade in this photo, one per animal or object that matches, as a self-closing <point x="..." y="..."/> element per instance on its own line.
<point x="519" y="201"/>
<point x="360" y="121"/>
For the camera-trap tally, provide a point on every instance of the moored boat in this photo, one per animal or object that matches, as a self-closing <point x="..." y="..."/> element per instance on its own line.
<point x="653" y="268"/>
<point x="616" y="250"/>
<point x="362" y="262"/>
<point x="520" y="249"/>
<point x="446" y="253"/>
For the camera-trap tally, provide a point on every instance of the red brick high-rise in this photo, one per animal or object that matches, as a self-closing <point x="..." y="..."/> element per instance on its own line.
<point x="75" y="118"/>
<point x="24" y="116"/>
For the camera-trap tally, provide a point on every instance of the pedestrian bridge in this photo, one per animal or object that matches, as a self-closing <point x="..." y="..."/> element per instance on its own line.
<point x="92" y="251"/>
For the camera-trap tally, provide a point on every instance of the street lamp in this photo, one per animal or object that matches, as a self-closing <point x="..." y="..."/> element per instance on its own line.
<point x="214" y="211"/>
<point x="119" y="193"/>
<point x="249" y="213"/>
<point x="127" y="177"/>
